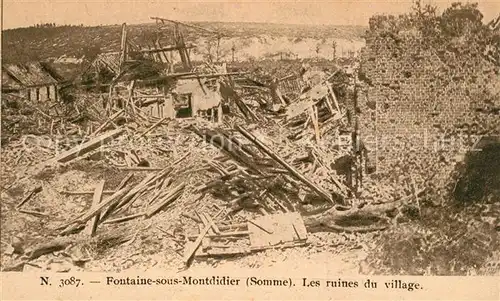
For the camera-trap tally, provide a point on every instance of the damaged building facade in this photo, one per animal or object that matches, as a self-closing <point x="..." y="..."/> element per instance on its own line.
<point x="159" y="80"/>
<point x="31" y="81"/>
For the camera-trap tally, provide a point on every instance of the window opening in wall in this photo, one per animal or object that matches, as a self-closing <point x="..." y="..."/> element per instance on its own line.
<point x="37" y="94"/>
<point x="183" y="105"/>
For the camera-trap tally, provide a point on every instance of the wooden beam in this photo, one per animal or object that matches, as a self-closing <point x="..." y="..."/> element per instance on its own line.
<point x="211" y="222"/>
<point x="329" y="105"/>
<point x="152" y="127"/>
<point x="209" y="75"/>
<point x="223" y="234"/>
<point x="109" y="120"/>
<point x="92" y="224"/>
<point x="69" y="227"/>
<point x="333" y="97"/>
<point x="86" y="192"/>
<point x="123" y="49"/>
<point x="189" y="25"/>
<point x="194" y="246"/>
<point x="140" y="168"/>
<point x="36" y="190"/>
<point x="314" y="118"/>
<point x="87" y="146"/>
<point x="123" y="219"/>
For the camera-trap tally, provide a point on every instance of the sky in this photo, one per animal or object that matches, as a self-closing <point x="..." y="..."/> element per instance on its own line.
<point x="22" y="13"/>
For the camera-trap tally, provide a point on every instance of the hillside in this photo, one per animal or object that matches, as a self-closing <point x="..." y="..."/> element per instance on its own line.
<point x="250" y="40"/>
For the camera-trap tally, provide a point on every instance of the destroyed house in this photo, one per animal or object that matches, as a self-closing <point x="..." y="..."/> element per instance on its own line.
<point x="181" y="98"/>
<point x="31" y="81"/>
<point x="192" y="97"/>
<point x="104" y="67"/>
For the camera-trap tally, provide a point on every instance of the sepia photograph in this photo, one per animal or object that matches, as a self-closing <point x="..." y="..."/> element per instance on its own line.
<point x="348" y="137"/>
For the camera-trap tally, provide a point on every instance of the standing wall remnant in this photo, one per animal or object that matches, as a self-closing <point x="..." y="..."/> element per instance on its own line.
<point x="421" y="104"/>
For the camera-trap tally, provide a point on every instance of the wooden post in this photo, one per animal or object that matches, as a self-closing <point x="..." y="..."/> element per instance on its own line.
<point x="163" y="54"/>
<point x="329" y="105"/>
<point x="333" y="97"/>
<point x="314" y="117"/>
<point x="219" y="113"/>
<point x="123" y="49"/>
<point x="130" y="89"/>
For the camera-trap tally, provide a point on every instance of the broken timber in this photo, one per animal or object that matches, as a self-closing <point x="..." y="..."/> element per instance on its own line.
<point x="92" y="225"/>
<point x="192" y="250"/>
<point x="94" y="210"/>
<point x="87" y="146"/>
<point x="28" y="197"/>
<point x="288" y="167"/>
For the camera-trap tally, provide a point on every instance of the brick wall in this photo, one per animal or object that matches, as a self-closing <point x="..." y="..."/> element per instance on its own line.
<point x="421" y="105"/>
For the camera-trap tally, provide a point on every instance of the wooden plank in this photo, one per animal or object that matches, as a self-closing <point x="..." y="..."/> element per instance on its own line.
<point x="108" y="202"/>
<point x="90" y="192"/>
<point x="329" y="105"/>
<point x="92" y="224"/>
<point x="151" y="178"/>
<point x="211" y="222"/>
<point x="124" y="218"/>
<point x="191" y="250"/>
<point x="139" y="187"/>
<point x="333" y="97"/>
<point x="314" y="119"/>
<point x="120" y="186"/>
<point x="75" y="224"/>
<point x="211" y="75"/>
<point x="88" y="146"/>
<point x="152" y="127"/>
<point x="123" y="47"/>
<point x="163" y="54"/>
<point x="35" y="213"/>
<point x="124" y="181"/>
<point x="109" y="120"/>
<point x="205" y="223"/>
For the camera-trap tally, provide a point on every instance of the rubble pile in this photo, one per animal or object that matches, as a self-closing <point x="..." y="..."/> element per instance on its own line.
<point x="228" y="178"/>
<point x="210" y="161"/>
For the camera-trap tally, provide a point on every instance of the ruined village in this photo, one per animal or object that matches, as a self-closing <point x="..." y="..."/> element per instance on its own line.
<point x="156" y="152"/>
